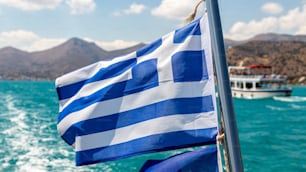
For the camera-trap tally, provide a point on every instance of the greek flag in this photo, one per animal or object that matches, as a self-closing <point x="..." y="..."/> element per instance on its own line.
<point x="201" y="160"/>
<point x="160" y="97"/>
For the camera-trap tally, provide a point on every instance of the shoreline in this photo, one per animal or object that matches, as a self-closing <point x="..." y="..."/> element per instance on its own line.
<point x="50" y="80"/>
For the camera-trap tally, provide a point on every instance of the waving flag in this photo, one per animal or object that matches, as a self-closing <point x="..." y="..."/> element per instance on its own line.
<point x="160" y="97"/>
<point x="201" y="160"/>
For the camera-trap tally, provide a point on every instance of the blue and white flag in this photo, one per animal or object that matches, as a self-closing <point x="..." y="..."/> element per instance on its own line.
<point x="201" y="160"/>
<point x="160" y="97"/>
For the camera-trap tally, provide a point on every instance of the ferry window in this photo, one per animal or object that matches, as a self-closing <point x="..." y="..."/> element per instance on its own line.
<point x="232" y="84"/>
<point x="240" y="84"/>
<point x="248" y="85"/>
<point x="258" y="85"/>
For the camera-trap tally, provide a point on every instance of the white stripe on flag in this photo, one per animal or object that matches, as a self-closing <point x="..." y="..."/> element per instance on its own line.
<point x="90" y="88"/>
<point x="89" y="71"/>
<point x="151" y="127"/>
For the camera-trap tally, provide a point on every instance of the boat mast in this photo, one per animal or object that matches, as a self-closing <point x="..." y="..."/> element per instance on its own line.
<point x="225" y="95"/>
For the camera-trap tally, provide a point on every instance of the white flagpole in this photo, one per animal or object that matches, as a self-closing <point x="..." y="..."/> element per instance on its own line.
<point x="224" y="90"/>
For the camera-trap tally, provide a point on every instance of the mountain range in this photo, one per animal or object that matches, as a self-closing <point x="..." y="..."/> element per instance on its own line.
<point x="286" y="53"/>
<point x="51" y="63"/>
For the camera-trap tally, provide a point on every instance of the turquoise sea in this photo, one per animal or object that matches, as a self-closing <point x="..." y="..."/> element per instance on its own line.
<point x="272" y="133"/>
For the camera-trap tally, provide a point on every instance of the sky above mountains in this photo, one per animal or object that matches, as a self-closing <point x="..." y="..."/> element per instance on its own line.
<point x="34" y="25"/>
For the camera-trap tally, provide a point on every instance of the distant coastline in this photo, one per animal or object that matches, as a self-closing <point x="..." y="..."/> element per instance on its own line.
<point x="285" y="53"/>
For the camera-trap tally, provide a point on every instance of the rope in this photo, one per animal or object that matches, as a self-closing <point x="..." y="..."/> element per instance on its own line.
<point x="194" y="13"/>
<point x="221" y="140"/>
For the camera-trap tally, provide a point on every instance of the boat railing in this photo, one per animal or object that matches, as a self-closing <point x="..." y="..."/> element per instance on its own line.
<point x="272" y="76"/>
<point x="246" y="76"/>
<point x="275" y="86"/>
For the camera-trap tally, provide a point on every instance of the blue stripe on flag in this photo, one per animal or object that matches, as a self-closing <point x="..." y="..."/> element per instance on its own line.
<point x="201" y="160"/>
<point x="113" y="70"/>
<point x="68" y="91"/>
<point x="160" y="109"/>
<point x="144" y="76"/>
<point x="158" y="142"/>
<point x="188" y="66"/>
<point x="149" y="48"/>
<point x="191" y="29"/>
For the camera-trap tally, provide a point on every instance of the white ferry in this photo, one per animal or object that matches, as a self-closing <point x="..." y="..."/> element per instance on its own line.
<point x="257" y="81"/>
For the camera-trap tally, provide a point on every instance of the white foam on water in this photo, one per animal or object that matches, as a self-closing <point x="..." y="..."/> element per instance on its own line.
<point x="24" y="145"/>
<point x="294" y="106"/>
<point x="290" y="99"/>
<point x="276" y="108"/>
<point x="17" y="115"/>
<point x="65" y="152"/>
<point x="29" y="139"/>
<point x="38" y="159"/>
<point x="5" y="162"/>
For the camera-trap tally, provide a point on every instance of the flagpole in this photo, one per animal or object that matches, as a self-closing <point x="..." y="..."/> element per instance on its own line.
<point x="224" y="90"/>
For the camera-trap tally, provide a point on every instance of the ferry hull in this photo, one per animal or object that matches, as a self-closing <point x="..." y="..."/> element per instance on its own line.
<point x="257" y="94"/>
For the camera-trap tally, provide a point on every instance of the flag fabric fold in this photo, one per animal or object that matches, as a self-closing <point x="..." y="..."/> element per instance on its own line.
<point x="201" y="160"/>
<point x="160" y="97"/>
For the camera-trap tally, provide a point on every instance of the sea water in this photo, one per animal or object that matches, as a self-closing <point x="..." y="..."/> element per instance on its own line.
<point x="272" y="133"/>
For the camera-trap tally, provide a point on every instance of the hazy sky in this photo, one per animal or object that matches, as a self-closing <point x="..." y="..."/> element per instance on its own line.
<point x="33" y="25"/>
